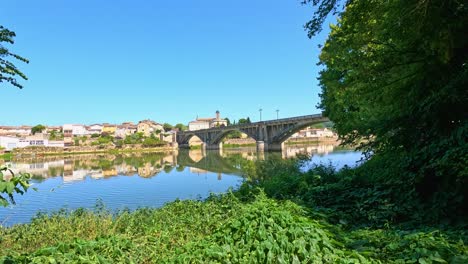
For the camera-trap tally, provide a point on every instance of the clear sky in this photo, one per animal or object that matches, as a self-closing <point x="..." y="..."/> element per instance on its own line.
<point x="127" y="60"/>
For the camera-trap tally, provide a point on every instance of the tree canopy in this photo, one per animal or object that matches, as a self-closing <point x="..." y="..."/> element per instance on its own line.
<point x="8" y="71"/>
<point x="394" y="80"/>
<point x="37" y="129"/>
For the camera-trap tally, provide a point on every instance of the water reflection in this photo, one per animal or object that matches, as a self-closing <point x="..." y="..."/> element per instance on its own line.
<point x="137" y="179"/>
<point x="147" y="165"/>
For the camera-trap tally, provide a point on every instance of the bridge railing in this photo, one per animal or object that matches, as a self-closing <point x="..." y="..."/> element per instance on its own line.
<point x="266" y="122"/>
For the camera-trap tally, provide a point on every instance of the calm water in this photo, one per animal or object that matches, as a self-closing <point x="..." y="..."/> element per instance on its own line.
<point x="132" y="181"/>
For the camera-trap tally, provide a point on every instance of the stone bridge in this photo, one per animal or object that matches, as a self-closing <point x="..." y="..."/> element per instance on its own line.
<point x="270" y="135"/>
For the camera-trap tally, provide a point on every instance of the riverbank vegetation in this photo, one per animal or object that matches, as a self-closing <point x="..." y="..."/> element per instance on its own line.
<point x="280" y="214"/>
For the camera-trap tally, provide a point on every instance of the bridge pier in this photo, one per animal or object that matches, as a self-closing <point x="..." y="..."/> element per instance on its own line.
<point x="263" y="146"/>
<point x="276" y="146"/>
<point x="260" y="146"/>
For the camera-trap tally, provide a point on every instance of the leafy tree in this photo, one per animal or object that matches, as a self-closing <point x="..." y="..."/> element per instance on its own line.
<point x="228" y="121"/>
<point x="244" y="121"/>
<point x="181" y="127"/>
<point x="37" y="129"/>
<point x="395" y="75"/>
<point x="8" y="71"/>
<point x="167" y="127"/>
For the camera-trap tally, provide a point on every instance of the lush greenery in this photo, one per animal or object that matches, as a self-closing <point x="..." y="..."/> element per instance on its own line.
<point x="281" y="215"/>
<point x="8" y="71"/>
<point x="37" y="129"/>
<point x="394" y="81"/>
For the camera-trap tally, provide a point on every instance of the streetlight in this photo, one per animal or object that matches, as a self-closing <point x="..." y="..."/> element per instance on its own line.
<point x="260" y="110"/>
<point x="277" y="111"/>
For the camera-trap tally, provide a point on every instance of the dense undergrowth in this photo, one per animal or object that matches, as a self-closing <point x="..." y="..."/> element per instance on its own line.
<point x="280" y="215"/>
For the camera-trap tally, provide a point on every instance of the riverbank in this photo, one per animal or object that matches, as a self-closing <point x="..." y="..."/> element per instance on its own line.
<point x="280" y="214"/>
<point x="44" y="151"/>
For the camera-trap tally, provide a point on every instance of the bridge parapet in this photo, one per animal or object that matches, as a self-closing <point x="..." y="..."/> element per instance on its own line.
<point x="270" y="134"/>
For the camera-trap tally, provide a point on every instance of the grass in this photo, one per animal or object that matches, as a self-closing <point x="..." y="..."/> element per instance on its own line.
<point x="281" y="215"/>
<point x="222" y="229"/>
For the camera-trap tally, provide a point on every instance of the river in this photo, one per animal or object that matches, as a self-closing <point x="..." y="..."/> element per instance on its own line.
<point x="129" y="181"/>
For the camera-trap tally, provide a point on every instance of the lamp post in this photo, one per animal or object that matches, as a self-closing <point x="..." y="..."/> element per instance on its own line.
<point x="277" y="111"/>
<point x="260" y="110"/>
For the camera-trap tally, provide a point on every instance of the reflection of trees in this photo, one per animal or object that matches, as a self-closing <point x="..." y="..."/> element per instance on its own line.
<point x="212" y="161"/>
<point x="77" y="167"/>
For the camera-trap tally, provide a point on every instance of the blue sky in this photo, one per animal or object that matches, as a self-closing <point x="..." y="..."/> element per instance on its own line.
<point x="114" y="61"/>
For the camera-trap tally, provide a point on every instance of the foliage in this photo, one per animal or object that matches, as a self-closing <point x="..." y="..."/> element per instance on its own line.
<point x="244" y="121"/>
<point x="136" y="138"/>
<point x="17" y="184"/>
<point x="153" y="142"/>
<point x="181" y="127"/>
<point x="369" y="195"/>
<point x="37" y="129"/>
<point x="167" y="127"/>
<point x="54" y="135"/>
<point x="103" y="140"/>
<point x="394" y="82"/>
<point x="8" y="70"/>
<point x="233" y="134"/>
<point x="229" y="228"/>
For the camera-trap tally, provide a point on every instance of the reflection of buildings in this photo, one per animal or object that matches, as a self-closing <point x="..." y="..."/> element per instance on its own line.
<point x="78" y="167"/>
<point x="290" y="152"/>
<point x="148" y="170"/>
<point x="75" y="175"/>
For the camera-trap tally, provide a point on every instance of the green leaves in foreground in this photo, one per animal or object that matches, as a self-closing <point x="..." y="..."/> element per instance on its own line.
<point x="222" y="229"/>
<point x="17" y="184"/>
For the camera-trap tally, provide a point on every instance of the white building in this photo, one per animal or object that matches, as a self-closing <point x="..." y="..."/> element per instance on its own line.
<point x="204" y="123"/>
<point x="95" y="129"/>
<point x="74" y="130"/>
<point x="9" y="143"/>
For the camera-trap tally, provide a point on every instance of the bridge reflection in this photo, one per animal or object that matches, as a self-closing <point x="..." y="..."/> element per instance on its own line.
<point x="103" y="166"/>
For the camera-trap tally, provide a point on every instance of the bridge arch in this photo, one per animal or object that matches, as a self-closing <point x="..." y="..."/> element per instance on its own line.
<point x="286" y="133"/>
<point x="221" y="135"/>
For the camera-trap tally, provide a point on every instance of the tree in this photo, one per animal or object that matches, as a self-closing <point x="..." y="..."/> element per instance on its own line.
<point x="228" y="121"/>
<point x="395" y="75"/>
<point x="8" y="71"/>
<point x="18" y="183"/>
<point x="167" y="127"/>
<point x="181" y="127"/>
<point x="244" y="121"/>
<point x="37" y="129"/>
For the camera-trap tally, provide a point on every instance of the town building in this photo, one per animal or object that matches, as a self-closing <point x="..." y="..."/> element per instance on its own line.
<point x="74" y="130"/>
<point x="147" y="127"/>
<point x="95" y="129"/>
<point x="205" y="123"/>
<point x="9" y="143"/>
<point x="309" y="132"/>
<point x="109" y="129"/>
<point x="126" y="129"/>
